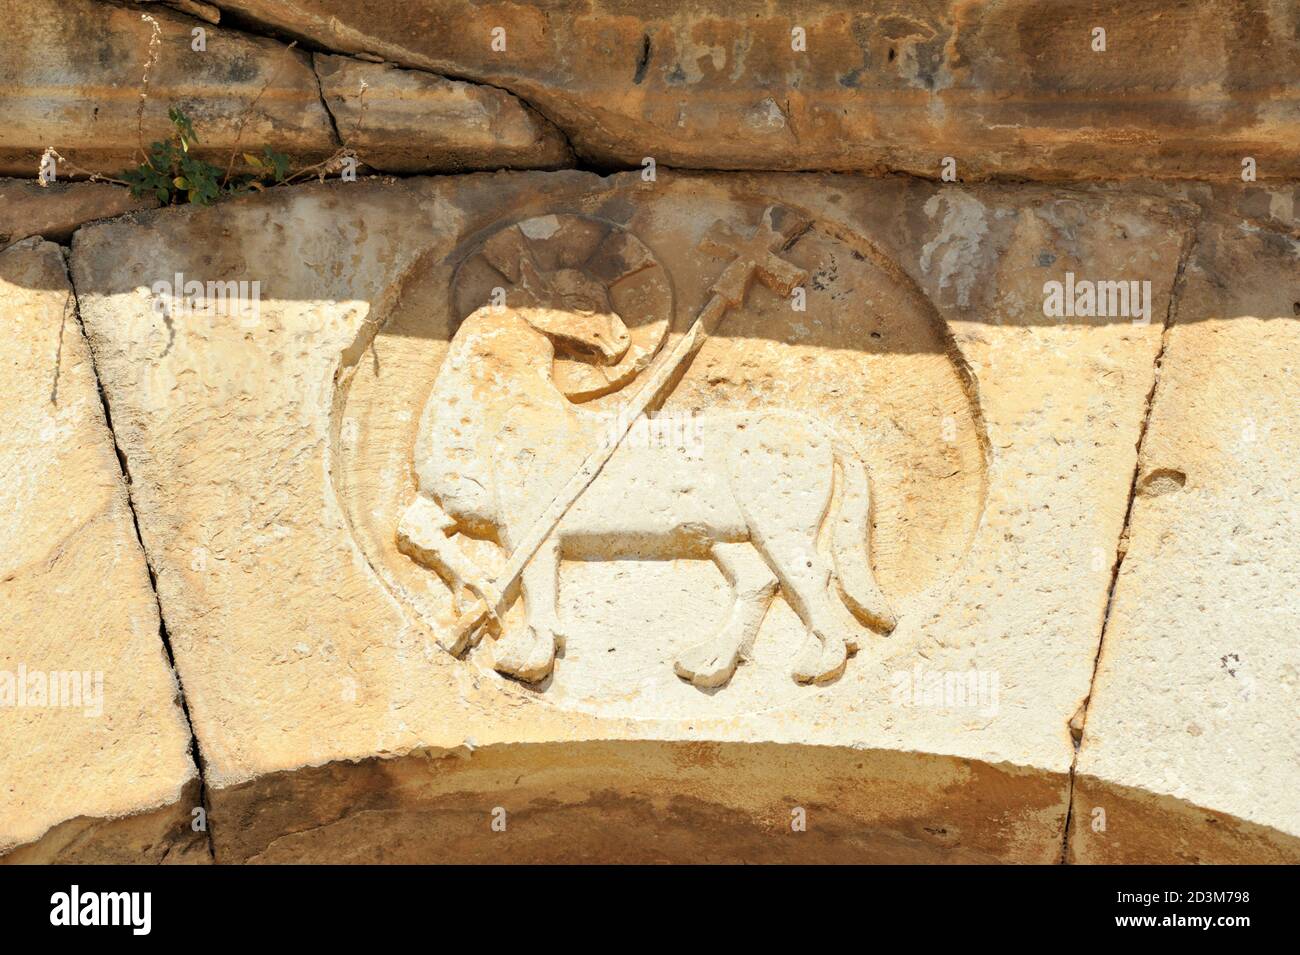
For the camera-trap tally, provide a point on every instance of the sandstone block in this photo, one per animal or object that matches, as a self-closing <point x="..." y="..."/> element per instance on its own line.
<point x="408" y="121"/>
<point x="54" y="211"/>
<point x="1017" y="87"/>
<point x="94" y="747"/>
<point x="71" y="75"/>
<point x="1190" y="752"/>
<point x="78" y="91"/>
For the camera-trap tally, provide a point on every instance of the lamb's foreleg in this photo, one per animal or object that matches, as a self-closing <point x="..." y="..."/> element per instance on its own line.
<point x="528" y="652"/>
<point x="423" y="535"/>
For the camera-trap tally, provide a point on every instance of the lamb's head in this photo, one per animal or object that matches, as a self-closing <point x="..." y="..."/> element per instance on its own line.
<point x="576" y="280"/>
<point x="574" y="311"/>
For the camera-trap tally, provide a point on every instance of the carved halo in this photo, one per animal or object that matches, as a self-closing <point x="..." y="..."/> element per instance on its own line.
<point x="579" y="263"/>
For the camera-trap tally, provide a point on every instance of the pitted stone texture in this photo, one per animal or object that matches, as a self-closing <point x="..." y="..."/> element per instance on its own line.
<point x="272" y="461"/>
<point x="110" y="779"/>
<point x="408" y="121"/>
<point x="1012" y="87"/>
<point x="1190" y="752"/>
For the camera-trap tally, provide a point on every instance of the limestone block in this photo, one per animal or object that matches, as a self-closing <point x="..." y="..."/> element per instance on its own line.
<point x="94" y="747"/>
<point x="54" y="211"/>
<point x="409" y="121"/>
<point x="78" y="91"/>
<point x="876" y="441"/>
<point x="1190" y="752"/>
<point x="71" y="75"/>
<point x="1016" y="87"/>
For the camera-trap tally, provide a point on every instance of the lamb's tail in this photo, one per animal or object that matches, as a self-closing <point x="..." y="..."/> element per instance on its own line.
<point x="850" y="548"/>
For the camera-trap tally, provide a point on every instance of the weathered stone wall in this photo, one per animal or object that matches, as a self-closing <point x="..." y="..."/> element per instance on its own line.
<point x="1011" y="87"/>
<point x="906" y="552"/>
<point x="66" y="86"/>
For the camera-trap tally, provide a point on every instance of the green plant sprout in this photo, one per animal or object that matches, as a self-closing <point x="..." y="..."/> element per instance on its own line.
<point x="172" y="175"/>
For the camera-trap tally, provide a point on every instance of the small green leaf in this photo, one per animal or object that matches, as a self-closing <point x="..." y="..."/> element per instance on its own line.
<point x="278" y="162"/>
<point x="184" y="128"/>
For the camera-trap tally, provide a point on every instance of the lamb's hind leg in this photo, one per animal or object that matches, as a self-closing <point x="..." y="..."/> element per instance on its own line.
<point x="805" y="578"/>
<point x="780" y="470"/>
<point x="422" y="535"/>
<point x="753" y="585"/>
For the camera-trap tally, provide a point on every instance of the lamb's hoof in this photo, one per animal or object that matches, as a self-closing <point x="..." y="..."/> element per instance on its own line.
<point x="525" y="654"/>
<point x="884" y="622"/>
<point x="706" y="665"/>
<point x="466" y="628"/>
<point x="453" y="639"/>
<point x="821" y="660"/>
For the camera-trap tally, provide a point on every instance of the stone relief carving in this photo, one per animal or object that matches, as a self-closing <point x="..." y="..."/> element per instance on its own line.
<point x="660" y="603"/>
<point x="509" y="451"/>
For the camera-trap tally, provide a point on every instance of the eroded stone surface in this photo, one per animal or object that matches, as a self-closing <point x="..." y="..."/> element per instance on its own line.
<point x="1013" y="87"/>
<point x="274" y="456"/>
<point x="54" y="211"/>
<point x="105" y="775"/>
<point x="77" y="90"/>
<point x="1190" y="752"/>
<point x="408" y="121"/>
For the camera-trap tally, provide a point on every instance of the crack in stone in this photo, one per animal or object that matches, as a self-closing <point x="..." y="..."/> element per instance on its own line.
<point x="196" y="753"/>
<point x="238" y="21"/>
<point x="642" y="61"/>
<point x="329" y="113"/>
<point x="1079" y="721"/>
<point x="63" y="325"/>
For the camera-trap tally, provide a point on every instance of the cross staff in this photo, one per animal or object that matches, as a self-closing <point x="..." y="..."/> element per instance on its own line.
<point x="754" y="257"/>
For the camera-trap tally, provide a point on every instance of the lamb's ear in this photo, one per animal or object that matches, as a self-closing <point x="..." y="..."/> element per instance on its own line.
<point x="579" y="381"/>
<point x="545" y="320"/>
<point x="582" y="381"/>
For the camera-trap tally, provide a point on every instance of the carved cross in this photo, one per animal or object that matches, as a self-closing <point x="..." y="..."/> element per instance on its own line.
<point x="754" y="257"/>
